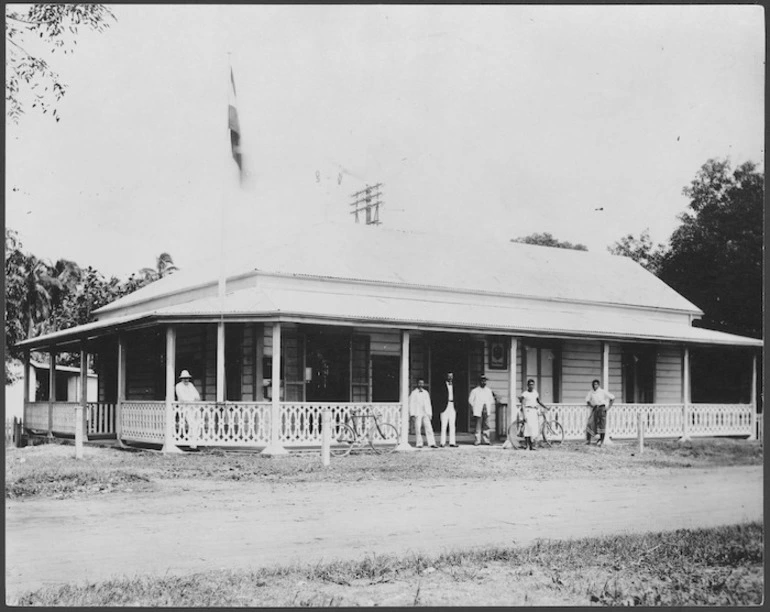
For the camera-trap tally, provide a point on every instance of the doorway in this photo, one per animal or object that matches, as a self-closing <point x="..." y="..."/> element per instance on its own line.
<point x="328" y="359"/>
<point x="449" y="353"/>
<point x="386" y="371"/>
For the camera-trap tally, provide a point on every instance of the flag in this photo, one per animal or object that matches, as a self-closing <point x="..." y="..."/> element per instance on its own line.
<point x="234" y="127"/>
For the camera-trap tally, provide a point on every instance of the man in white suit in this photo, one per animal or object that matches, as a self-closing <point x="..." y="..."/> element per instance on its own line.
<point x="422" y="411"/>
<point x="481" y="401"/>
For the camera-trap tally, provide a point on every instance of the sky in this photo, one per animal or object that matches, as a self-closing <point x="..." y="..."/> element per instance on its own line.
<point x="500" y="121"/>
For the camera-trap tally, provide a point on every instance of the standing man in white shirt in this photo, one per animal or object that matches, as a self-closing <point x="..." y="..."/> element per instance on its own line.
<point x="421" y="409"/>
<point x="446" y="398"/>
<point x="185" y="389"/>
<point x="481" y="400"/>
<point x="599" y="401"/>
<point x="186" y="392"/>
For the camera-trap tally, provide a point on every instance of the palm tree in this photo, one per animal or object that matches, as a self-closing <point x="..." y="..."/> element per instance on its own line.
<point x="164" y="265"/>
<point x="39" y="284"/>
<point x="69" y="276"/>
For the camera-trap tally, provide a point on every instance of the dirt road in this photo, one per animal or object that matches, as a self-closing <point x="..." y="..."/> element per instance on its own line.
<point x="184" y="526"/>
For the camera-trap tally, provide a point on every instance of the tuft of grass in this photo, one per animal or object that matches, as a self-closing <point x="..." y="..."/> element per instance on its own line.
<point x="720" y="566"/>
<point x="66" y="482"/>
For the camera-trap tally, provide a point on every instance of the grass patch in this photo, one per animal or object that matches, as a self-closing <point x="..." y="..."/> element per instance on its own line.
<point x="36" y="471"/>
<point x="720" y="566"/>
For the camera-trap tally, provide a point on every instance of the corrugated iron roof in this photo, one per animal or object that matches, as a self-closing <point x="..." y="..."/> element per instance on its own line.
<point x="478" y="314"/>
<point x="476" y="264"/>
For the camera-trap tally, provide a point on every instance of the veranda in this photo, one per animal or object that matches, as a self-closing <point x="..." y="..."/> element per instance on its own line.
<point x="276" y="425"/>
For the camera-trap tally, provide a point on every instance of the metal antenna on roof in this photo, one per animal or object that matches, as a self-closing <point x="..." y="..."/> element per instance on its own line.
<point x="368" y="200"/>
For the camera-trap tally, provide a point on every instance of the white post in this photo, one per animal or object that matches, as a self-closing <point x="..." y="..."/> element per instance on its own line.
<point x="27" y="383"/>
<point x="640" y="431"/>
<point x="121" y="395"/>
<point x="220" y="361"/>
<point x="51" y="388"/>
<point x="512" y="390"/>
<point x="168" y="437"/>
<point x="685" y="395"/>
<point x="753" y="434"/>
<point x="259" y="352"/>
<point x="275" y="447"/>
<point x="326" y="435"/>
<point x="403" y="444"/>
<point x="81" y="432"/>
<point x="606" y="385"/>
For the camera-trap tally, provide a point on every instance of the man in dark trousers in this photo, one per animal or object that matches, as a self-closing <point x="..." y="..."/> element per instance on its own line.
<point x="445" y="399"/>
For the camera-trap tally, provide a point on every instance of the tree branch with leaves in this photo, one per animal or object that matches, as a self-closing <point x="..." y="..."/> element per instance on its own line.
<point x="32" y="31"/>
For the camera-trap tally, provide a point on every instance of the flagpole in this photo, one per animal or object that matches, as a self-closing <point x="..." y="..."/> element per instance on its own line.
<point x="225" y="197"/>
<point x="222" y="280"/>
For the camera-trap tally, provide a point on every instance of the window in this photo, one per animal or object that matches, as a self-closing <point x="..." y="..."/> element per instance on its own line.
<point x="541" y="364"/>
<point x="359" y="380"/>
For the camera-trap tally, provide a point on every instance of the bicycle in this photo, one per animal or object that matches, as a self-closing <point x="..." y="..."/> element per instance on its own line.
<point x="363" y="427"/>
<point x="550" y="429"/>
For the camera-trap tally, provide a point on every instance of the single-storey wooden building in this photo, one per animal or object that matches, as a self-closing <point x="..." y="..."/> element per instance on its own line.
<point x="344" y="316"/>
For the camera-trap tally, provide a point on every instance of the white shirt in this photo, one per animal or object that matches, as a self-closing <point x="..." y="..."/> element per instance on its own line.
<point x="529" y="398"/>
<point x="186" y="392"/>
<point x="480" y="397"/>
<point x="450" y="392"/>
<point x="419" y="403"/>
<point x="599" y="397"/>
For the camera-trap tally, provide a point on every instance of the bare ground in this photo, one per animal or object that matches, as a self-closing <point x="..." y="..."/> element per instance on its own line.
<point x="184" y="525"/>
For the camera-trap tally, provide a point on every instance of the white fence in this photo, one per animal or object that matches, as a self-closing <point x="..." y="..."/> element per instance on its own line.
<point x="222" y="424"/>
<point x="100" y="418"/>
<point x="301" y="421"/>
<point x="143" y="421"/>
<point x="248" y="424"/>
<point x="661" y="420"/>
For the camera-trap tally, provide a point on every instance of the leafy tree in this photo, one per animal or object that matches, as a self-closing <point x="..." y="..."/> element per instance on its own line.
<point x="32" y="30"/>
<point x="43" y="298"/>
<point x="641" y="250"/>
<point x="715" y="256"/>
<point x="546" y="239"/>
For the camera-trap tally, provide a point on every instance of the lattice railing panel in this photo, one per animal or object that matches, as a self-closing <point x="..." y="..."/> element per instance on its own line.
<point x="143" y="421"/>
<point x="63" y="417"/>
<point x="719" y="419"/>
<point x="100" y="418"/>
<point x="36" y="416"/>
<point x="301" y="421"/>
<point x="222" y="424"/>
<point x="660" y="420"/>
<point x="572" y="417"/>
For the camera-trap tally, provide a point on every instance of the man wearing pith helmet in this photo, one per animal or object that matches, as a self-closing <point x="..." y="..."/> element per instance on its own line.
<point x="185" y="389"/>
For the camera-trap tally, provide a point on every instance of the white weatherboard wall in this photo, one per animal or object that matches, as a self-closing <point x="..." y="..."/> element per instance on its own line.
<point x="616" y="371"/>
<point x="581" y="363"/>
<point x="668" y="375"/>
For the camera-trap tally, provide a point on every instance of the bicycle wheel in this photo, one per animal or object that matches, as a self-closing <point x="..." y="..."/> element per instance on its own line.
<point x="513" y="431"/>
<point x="553" y="432"/>
<point x="383" y="438"/>
<point x="343" y="441"/>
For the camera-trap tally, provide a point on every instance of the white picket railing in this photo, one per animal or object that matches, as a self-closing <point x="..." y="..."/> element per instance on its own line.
<point x="100" y="419"/>
<point x="247" y="424"/>
<point x="720" y="419"/>
<point x="660" y="420"/>
<point x="143" y="421"/>
<point x="221" y="424"/>
<point x="301" y="421"/>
